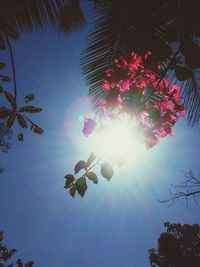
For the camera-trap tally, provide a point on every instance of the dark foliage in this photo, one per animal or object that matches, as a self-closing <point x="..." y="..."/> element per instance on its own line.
<point x="178" y="246"/>
<point x="24" y="15"/>
<point x="6" y="255"/>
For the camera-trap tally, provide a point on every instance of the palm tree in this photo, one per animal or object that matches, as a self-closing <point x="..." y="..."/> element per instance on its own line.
<point x="169" y="28"/>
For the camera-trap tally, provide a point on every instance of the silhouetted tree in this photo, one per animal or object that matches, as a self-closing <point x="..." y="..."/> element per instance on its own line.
<point x="178" y="246"/>
<point x="6" y="255"/>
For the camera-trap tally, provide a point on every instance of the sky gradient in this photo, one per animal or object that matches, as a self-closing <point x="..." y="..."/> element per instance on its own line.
<point x="115" y="223"/>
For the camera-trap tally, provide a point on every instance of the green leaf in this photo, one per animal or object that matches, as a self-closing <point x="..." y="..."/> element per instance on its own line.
<point x="5" y="79"/>
<point x="107" y="170"/>
<point x="72" y="191"/>
<point x="91" y="158"/>
<point x="2" y="65"/>
<point x="79" y="166"/>
<point x="11" y="120"/>
<point x="92" y="176"/>
<point x="69" y="180"/>
<point x="30" y="109"/>
<point x="81" y="186"/>
<point x="5" y="113"/>
<point x="21" y="121"/>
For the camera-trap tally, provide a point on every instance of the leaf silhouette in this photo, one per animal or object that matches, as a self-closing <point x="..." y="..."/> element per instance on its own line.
<point x="79" y="166"/>
<point x="4" y="113"/>
<point x="92" y="176"/>
<point x="21" y="121"/>
<point x="69" y="180"/>
<point x="183" y="73"/>
<point x="10" y="99"/>
<point x="11" y="120"/>
<point x="29" y="97"/>
<point x="20" y="137"/>
<point x="36" y="129"/>
<point x="30" y="109"/>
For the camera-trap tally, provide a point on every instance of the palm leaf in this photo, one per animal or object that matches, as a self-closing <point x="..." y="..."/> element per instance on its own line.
<point x="191" y="97"/>
<point x="71" y="17"/>
<point x="21" y="121"/>
<point x="4" y="113"/>
<point x="11" y="120"/>
<point x="36" y="129"/>
<point x="10" y="98"/>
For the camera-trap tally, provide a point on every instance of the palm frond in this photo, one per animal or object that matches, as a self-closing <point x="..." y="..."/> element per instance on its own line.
<point x="191" y="96"/>
<point x="71" y="17"/>
<point x="120" y="27"/>
<point x="26" y="15"/>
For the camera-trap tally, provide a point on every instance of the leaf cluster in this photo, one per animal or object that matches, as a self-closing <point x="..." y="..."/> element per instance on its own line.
<point x="18" y="114"/>
<point x="79" y="185"/>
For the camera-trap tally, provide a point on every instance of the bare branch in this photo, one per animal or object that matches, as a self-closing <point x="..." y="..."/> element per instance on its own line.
<point x="189" y="188"/>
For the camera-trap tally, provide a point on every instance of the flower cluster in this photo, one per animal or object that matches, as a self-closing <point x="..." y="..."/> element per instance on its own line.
<point x="132" y="87"/>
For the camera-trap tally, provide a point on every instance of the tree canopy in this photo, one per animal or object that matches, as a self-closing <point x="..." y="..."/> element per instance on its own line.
<point x="178" y="246"/>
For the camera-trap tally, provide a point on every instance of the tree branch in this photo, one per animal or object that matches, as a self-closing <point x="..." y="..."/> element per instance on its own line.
<point x="13" y="66"/>
<point x="191" y="186"/>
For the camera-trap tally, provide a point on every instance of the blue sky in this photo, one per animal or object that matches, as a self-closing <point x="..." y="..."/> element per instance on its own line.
<point x="115" y="223"/>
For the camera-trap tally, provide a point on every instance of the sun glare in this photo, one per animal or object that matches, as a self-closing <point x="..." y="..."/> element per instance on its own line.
<point x="118" y="141"/>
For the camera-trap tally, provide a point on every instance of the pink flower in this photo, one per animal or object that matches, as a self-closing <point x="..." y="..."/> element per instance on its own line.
<point x="105" y="87"/>
<point x="89" y="126"/>
<point x="124" y="85"/>
<point x="132" y="86"/>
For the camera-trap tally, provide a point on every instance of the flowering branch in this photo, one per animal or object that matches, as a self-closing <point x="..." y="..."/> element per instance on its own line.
<point x="132" y="88"/>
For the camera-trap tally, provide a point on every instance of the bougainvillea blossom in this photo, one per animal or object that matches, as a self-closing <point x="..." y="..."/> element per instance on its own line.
<point x="153" y="102"/>
<point x="89" y="126"/>
<point x="132" y="87"/>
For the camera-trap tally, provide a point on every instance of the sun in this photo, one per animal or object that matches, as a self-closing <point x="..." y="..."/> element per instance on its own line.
<point x="118" y="140"/>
